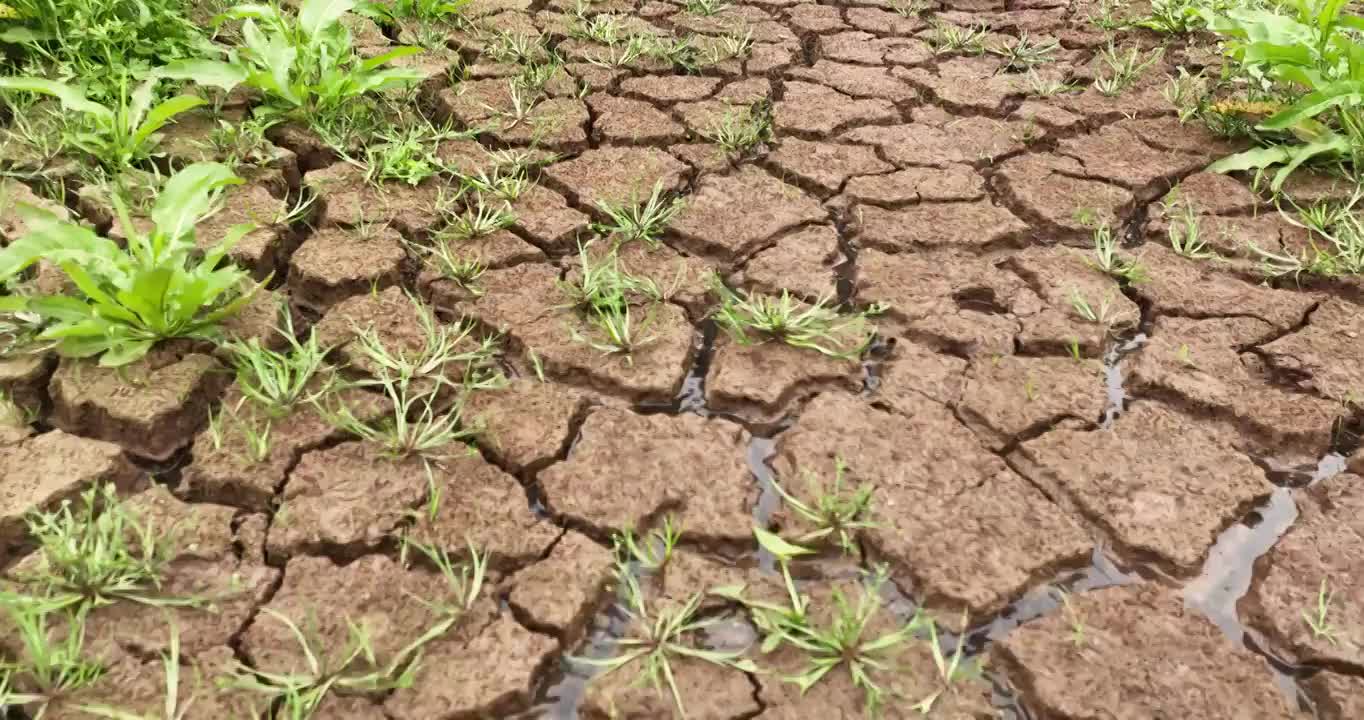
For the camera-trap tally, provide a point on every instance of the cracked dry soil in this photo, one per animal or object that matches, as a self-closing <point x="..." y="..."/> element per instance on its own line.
<point x="1130" y="534"/>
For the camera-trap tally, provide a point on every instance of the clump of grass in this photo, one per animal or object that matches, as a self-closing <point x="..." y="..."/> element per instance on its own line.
<point x="836" y="513"/>
<point x="52" y="663"/>
<point x="659" y="636"/>
<point x="650" y="551"/>
<point x="608" y="300"/>
<point x="644" y="221"/>
<point x="442" y="257"/>
<point x="256" y="436"/>
<point x="278" y="381"/>
<point x="1186" y="237"/>
<point x="1108" y="261"/>
<point x="1123" y="68"/>
<point x="1045" y="86"/>
<point x="1100" y="313"/>
<point x="1025" y="53"/>
<point x="755" y="317"/>
<point x="1335" y="246"/>
<point x="504" y="182"/>
<point x="948" y="38"/>
<point x="706" y="7"/>
<point x="99" y="552"/>
<point x="739" y="131"/>
<point x="406" y="152"/>
<point x="479" y="218"/>
<point x="840" y="641"/>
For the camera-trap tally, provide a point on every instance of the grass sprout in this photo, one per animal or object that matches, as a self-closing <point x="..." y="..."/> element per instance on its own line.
<point x="835" y="514"/>
<point x="1107" y="259"/>
<point x="644" y="221"/>
<point x="652" y="550"/>
<point x="1186" y="237"/>
<point x="660" y="636"/>
<point x="1025" y="53"/>
<point x="464" y="582"/>
<point x="442" y="348"/>
<point x="100" y="552"/>
<point x="706" y="7"/>
<point x="951" y="670"/>
<point x="256" y="437"/>
<point x="1124" y="68"/>
<point x="1100" y="313"/>
<point x="53" y="664"/>
<point x="816" y="326"/>
<point x="278" y="380"/>
<point x="948" y="38"/>
<point x="738" y="131"/>
<point x="443" y="258"/>
<point x="173" y="709"/>
<point x="478" y="220"/>
<point x="1317" y="618"/>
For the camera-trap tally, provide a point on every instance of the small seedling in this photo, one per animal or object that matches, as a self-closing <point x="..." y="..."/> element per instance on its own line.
<point x="99" y="553"/>
<point x="1046" y="86"/>
<point x="464" y="582"/>
<point x="706" y="7"/>
<point x="950" y="670"/>
<point x="909" y="8"/>
<point x="644" y="221"/>
<point x="1102" y="314"/>
<point x="1073" y="347"/>
<point x="1107" y="260"/>
<point x="50" y="667"/>
<point x="948" y="38"/>
<point x="278" y="381"/>
<point x="256" y="437"/>
<point x="652" y="551"/>
<point x="739" y="131"/>
<point x="445" y="352"/>
<point x="506" y="183"/>
<point x="602" y="282"/>
<point x="1073" y="619"/>
<point x="614" y="330"/>
<point x="659" y="637"/>
<point x="834" y="513"/>
<point x="478" y="219"/>
<point x="1186" y="93"/>
<point x="406" y="153"/>
<point x="355" y="669"/>
<point x="1030" y="388"/>
<point x="815" y="326"/>
<point x="1317" y="620"/>
<point x="1186" y="237"/>
<point x="1124" y="68"/>
<point x="442" y="257"/>
<point x="1025" y="53"/>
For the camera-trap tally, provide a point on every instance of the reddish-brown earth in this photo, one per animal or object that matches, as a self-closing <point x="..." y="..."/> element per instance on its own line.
<point x="1007" y="441"/>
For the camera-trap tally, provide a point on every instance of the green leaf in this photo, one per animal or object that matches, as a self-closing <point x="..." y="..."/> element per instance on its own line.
<point x="122" y="353"/>
<point x="1313" y="104"/>
<point x="162" y="114"/>
<point x="211" y="73"/>
<point x="61" y="308"/>
<point x="1253" y="159"/>
<point x="188" y="196"/>
<point x="1302" y="153"/>
<point x="314" y="15"/>
<point x="148" y="295"/>
<point x="20" y="35"/>
<point x="391" y="55"/>
<point x="71" y="98"/>
<point x="773" y="543"/>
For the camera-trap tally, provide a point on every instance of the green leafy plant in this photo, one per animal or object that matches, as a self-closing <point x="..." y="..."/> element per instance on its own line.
<point x="1335" y="245"/>
<point x="406" y="152"/>
<point x="605" y="297"/>
<point x="1309" y="55"/>
<point x="706" y="7"/>
<point x="755" y="317"/>
<point x="130" y="298"/>
<point x="426" y="11"/>
<point x="443" y="257"/>
<point x="115" y="136"/>
<point x="103" y="42"/>
<point x="643" y="221"/>
<point x="479" y="218"/>
<point x="303" y="64"/>
<point x="947" y="38"/>
<point x="833" y="513"/>
<point x="99" y="553"/>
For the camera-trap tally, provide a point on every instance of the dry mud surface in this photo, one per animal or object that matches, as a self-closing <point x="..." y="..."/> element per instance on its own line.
<point x="1131" y="520"/>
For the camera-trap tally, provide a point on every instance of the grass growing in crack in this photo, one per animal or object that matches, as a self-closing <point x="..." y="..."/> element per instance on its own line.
<point x="276" y="380"/>
<point x="51" y="666"/>
<point x="506" y="183"/>
<point x="1045" y="86"/>
<point x="643" y="221"/>
<point x="99" y="553"/>
<point x="1335" y="245"/>
<point x="1318" y="618"/>
<point x="443" y="258"/>
<point x="948" y="38"/>
<point x="738" y="131"/>
<point x="516" y="47"/>
<point x="660" y="636"/>
<point x="651" y="551"/>
<point x="951" y="670"/>
<point x="300" y="693"/>
<point x="1186" y="237"/>
<point x="463" y="582"/>
<point x="478" y="219"/>
<point x="1025" y="53"/>
<point x="706" y="7"/>
<point x="909" y="8"/>
<point x="836" y="514"/>
<point x="816" y="326"/>
<point x="1108" y="261"/>
<point x="1124" y="68"/>
<point x="1072" y="618"/>
<point x="256" y="437"/>
<point x="605" y="296"/>
<point x="842" y="642"/>
<point x="1100" y="313"/>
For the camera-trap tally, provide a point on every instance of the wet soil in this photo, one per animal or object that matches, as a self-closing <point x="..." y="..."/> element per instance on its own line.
<point x="1154" y="514"/>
